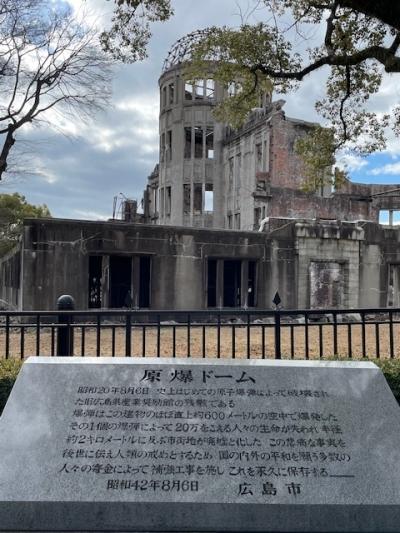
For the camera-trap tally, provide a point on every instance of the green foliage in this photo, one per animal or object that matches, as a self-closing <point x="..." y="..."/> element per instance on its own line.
<point x="129" y="34"/>
<point x="358" y="42"/>
<point x="391" y="370"/>
<point x="317" y="152"/>
<point x="262" y="53"/>
<point x="234" y="57"/>
<point x="8" y="374"/>
<point x="13" y="209"/>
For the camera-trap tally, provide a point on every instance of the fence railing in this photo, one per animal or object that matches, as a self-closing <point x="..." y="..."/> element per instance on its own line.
<point x="228" y="333"/>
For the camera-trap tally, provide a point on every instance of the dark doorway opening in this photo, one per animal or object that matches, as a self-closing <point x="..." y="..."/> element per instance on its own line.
<point x="232" y="283"/>
<point x="120" y="281"/>
<point x="251" y="286"/>
<point x="212" y="283"/>
<point x="95" y="289"/>
<point x="144" y="282"/>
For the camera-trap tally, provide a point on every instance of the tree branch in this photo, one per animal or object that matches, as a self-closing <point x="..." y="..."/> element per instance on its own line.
<point x="381" y="54"/>
<point x="388" y="12"/>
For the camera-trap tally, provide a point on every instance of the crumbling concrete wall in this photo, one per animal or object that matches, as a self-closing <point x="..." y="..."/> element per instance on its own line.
<point x="254" y="171"/>
<point x="54" y="262"/>
<point x="286" y="167"/>
<point x="310" y="263"/>
<point x="298" y="204"/>
<point x="363" y="258"/>
<point x="379" y="266"/>
<point x="329" y="243"/>
<point x="56" y="259"/>
<point x="10" y="279"/>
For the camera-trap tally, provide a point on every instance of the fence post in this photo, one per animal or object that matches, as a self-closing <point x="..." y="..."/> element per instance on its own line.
<point x="65" y="336"/>
<point x="277" y="316"/>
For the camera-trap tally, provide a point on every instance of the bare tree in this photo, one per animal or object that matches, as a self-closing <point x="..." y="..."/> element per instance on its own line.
<point x="48" y="60"/>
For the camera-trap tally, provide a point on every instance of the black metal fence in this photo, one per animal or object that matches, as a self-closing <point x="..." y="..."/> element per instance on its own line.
<point x="306" y="334"/>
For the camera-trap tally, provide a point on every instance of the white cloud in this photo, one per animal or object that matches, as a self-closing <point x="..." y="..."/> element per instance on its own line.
<point x="145" y="105"/>
<point x="95" y="13"/>
<point x="391" y="169"/>
<point x="48" y="176"/>
<point x="351" y="162"/>
<point x="119" y="148"/>
<point x="89" y="215"/>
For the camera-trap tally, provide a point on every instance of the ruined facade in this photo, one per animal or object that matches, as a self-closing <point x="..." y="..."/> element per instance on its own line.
<point x="195" y="246"/>
<point x="312" y="264"/>
<point x="211" y="176"/>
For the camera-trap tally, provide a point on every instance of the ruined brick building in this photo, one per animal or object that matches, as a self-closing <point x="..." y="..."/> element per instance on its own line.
<point x="211" y="176"/>
<point x="225" y="224"/>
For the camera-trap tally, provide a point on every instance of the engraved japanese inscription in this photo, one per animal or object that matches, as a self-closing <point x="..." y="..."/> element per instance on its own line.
<point x="181" y="430"/>
<point x="197" y="445"/>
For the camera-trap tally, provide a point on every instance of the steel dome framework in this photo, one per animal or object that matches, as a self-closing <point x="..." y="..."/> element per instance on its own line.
<point x="181" y="50"/>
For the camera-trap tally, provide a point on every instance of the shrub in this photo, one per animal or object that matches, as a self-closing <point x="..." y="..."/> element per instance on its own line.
<point x="391" y="369"/>
<point x="9" y="369"/>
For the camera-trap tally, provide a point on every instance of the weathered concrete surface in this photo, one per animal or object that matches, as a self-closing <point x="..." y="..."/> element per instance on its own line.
<point x="56" y="260"/>
<point x="55" y="254"/>
<point x="167" y="445"/>
<point x="254" y="171"/>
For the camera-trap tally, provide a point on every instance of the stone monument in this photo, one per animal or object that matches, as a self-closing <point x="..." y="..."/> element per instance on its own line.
<point x="124" y="445"/>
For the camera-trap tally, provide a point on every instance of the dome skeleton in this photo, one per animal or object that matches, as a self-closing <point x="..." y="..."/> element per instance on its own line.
<point x="181" y="50"/>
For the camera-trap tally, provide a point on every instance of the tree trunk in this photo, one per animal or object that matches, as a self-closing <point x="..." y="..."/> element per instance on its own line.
<point x="387" y="11"/>
<point x="8" y="143"/>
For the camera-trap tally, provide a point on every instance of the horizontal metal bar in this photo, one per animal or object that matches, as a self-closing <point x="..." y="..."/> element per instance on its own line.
<point x="202" y="312"/>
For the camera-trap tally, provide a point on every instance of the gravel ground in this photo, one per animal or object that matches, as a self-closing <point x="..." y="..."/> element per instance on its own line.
<point x="204" y="341"/>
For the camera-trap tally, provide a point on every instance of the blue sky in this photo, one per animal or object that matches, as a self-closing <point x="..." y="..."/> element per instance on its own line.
<point x="77" y="169"/>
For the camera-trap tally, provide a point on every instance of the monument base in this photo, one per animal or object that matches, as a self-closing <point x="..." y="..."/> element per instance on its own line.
<point x="169" y="445"/>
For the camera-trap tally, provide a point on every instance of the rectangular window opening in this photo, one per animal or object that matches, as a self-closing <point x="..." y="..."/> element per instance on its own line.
<point x="230" y="176"/>
<point x="186" y="198"/>
<point x="188" y="91"/>
<point x="197" y="198"/>
<point x="198" y="142"/>
<point x="209" y="197"/>
<point x="238" y="171"/>
<point x="169" y="145"/>
<point x="231" y="89"/>
<point x="383" y="217"/>
<point x="155" y="200"/>
<point x="234" y="88"/>
<point x="199" y="90"/>
<point x="266" y="157"/>
<point x="188" y="143"/>
<point x="162" y="147"/>
<point x="258" y="157"/>
<point x="171" y="93"/>
<point x="95" y="281"/>
<point x="210" y="89"/>
<point x="237" y="221"/>
<point x="162" y="200"/>
<point x="210" y="143"/>
<point x="389" y="217"/>
<point x="167" y="201"/>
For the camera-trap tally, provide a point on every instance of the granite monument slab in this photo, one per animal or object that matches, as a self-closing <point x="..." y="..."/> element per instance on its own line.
<point x="135" y="445"/>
